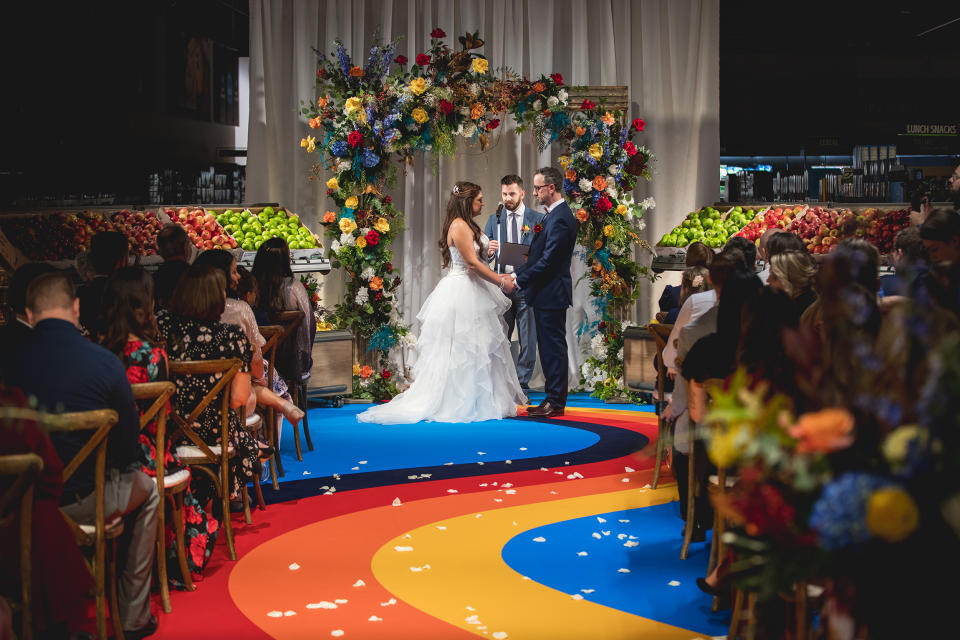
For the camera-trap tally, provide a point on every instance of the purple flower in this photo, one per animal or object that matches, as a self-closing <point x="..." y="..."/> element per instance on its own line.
<point x="343" y="57"/>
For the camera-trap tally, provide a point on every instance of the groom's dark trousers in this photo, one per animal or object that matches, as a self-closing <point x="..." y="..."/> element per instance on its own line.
<point x="546" y="283"/>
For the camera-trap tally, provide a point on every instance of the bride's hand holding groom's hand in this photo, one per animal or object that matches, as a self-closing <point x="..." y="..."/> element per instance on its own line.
<point x="507" y="284"/>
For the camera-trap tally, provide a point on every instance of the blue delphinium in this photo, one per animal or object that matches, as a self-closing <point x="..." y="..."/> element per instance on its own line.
<point x="344" y="58"/>
<point x="840" y="514"/>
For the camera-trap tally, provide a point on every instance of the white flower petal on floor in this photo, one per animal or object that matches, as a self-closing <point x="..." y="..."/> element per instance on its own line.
<point x="474" y="619"/>
<point x="498" y="499"/>
<point x="452" y="491"/>
<point x="306" y="473"/>
<point x="359" y="583"/>
<point x="623" y="570"/>
<point x="523" y="448"/>
<point x="508" y="461"/>
<point x="374" y="619"/>
<point x="336" y="633"/>
<point x="321" y="605"/>
<point x="293" y="567"/>
<point x="623" y="521"/>
<point x="631" y="543"/>
<point x="606" y="533"/>
<point x="341" y="601"/>
<point x="673" y="583"/>
<point x="499" y="635"/>
<point x="480" y="463"/>
<point x="413" y="477"/>
<point x="287" y="614"/>
<point x="481" y="453"/>
<point x="469" y="608"/>
<point x="401" y="549"/>
<point x="577" y="596"/>
<point x="506" y="485"/>
<point x="336" y="476"/>
<point x="646" y="486"/>
<point x="554" y="493"/>
<point x="621" y="536"/>
<point x="448" y="464"/>
<point x="510" y="492"/>
<point x="588" y="590"/>
<point x="581" y="553"/>
<point x="625" y="480"/>
<point x="479" y="515"/>
<point x="397" y="503"/>
<point x="539" y="539"/>
<point x="389" y="603"/>
<point x="601" y="520"/>
<point x="425" y="475"/>
<point x="544" y="469"/>
<point x="275" y="614"/>
<point x="362" y="462"/>
<point x="442" y="528"/>
<point x="596" y="535"/>
<point x="354" y="468"/>
<point x="628" y="469"/>
<point x="484" y="484"/>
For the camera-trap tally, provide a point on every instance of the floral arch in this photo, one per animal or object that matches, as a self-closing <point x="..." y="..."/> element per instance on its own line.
<point x="367" y="114"/>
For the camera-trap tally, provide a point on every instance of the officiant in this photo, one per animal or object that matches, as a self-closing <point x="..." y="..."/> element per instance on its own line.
<point x="516" y="224"/>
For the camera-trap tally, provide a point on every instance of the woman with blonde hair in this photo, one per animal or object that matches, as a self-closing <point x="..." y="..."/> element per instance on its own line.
<point x="794" y="273"/>
<point x="464" y="370"/>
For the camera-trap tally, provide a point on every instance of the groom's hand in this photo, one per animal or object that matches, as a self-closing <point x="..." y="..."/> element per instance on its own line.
<point x="494" y="247"/>
<point x="507" y="284"/>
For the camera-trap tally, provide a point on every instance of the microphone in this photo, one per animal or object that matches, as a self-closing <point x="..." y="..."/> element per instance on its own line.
<point x="499" y="211"/>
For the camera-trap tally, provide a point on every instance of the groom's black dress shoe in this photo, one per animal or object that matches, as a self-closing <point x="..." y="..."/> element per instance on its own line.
<point x="546" y="410"/>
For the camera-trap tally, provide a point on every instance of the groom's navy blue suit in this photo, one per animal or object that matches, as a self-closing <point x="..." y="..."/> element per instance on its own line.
<point x="545" y="281"/>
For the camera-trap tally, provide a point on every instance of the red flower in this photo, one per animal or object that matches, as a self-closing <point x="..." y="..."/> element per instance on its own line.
<point x="423" y="59"/>
<point x="557" y="78"/>
<point x="212" y="525"/>
<point x="385" y="374"/>
<point x="586" y="105"/>
<point x="321" y="73"/>
<point x="329" y="192"/>
<point x="493" y="124"/>
<point x="379" y="296"/>
<point x="355" y="138"/>
<point x="190" y="514"/>
<point x="438" y="33"/>
<point x="388" y="199"/>
<point x="400" y="60"/>
<point x="446" y="107"/>
<point x="537" y="228"/>
<point x="602" y="325"/>
<point x="373" y="237"/>
<point x="630" y="148"/>
<point x="639" y="124"/>
<point x="389" y="267"/>
<point x="137" y="374"/>
<point x="604" y="204"/>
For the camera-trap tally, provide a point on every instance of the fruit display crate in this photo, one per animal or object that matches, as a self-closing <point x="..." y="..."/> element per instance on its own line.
<point x="711" y="224"/>
<point x="824" y="226"/>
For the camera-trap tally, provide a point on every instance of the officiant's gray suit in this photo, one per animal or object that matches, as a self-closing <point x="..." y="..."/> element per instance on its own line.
<point x="519" y="313"/>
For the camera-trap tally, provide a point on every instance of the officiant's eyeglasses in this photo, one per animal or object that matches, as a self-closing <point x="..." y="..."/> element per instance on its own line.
<point x="537" y="188"/>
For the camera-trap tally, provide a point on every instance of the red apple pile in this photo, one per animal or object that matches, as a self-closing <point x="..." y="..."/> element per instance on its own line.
<point x="822" y="229"/>
<point x="203" y="229"/>
<point x="776" y="217"/>
<point x="141" y="228"/>
<point x="46" y="237"/>
<point x="881" y="228"/>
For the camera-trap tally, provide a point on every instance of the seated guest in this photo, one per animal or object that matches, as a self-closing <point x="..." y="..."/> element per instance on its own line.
<point x="910" y="262"/>
<point x="109" y="251"/>
<point x="238" y="312"/>
<point x="17" y="328"/>
<point x="280" y="291"/>
<point x="784" y="241"/>
<point x="761" y="351"/>
<point x="940" y="233"/>
<point x="60" y="576"/>
<point x="64" y="371"/>
<point x="192" y="330"/>
<point x="794" y="273"/>
<point x="175" y="247"/>
<point x="698" y="255"/>
<point x="749" y="251"/>
<point x="130" y="331"/>
<point x="762" y="252"/>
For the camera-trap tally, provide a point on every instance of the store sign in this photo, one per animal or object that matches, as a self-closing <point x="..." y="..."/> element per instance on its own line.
<point x="931" y="130"/>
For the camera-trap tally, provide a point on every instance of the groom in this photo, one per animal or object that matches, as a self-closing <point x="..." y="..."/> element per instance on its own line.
<point x="517" y="224"/>
<point x="545" y="281"/>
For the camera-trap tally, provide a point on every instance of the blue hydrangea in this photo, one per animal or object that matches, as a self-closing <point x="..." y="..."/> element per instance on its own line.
<point x="840" y="514"/>
<point x="569" y="187"/>
<point x="370" y="159"/>
<point x="340" y="149"/>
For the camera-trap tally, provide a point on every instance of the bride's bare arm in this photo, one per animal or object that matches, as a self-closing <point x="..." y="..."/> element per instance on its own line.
<point x="461" y="237"/>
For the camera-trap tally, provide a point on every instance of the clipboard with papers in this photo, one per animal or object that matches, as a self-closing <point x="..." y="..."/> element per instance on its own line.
<point x="513" y="254"/>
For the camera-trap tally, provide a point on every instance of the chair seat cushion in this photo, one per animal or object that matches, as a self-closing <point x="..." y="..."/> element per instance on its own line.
<point x="253" y="421"/>
<point x="188" y="452"/>
<point x="176" y="478"/>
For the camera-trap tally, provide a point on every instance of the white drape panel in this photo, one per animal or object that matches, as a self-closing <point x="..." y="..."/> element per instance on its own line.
<point x="666" y="51"/>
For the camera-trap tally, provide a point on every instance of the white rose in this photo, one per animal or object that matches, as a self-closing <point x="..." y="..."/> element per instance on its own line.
<point x="613" y="170"/>
<point x="347" y="240"/>
<point x="552" y="101"/>
<point x="648" y="203"/>
<point x="367" y="273"/>
<point x="562" y="94"/>
<point x="363" y="295"/>
<point x="585" y="185"/>
<point x="620" y="354"/>
<point x="642" y="225"/>
<point x="344" y="165"/>
<point x="538" y="105"/>
<point x="612" y="192"/>
<point x="335" y="246"/>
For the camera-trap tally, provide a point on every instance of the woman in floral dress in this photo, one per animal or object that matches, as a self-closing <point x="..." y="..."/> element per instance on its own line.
<point x="131" y="333"/>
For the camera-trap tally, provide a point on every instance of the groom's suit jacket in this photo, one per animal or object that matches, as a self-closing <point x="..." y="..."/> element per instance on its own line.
<point x="531" y="218"/>
<point x="545" y="278"/>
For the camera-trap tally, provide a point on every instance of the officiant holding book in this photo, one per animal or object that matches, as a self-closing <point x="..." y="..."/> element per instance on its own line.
<point x="515" y="224"/>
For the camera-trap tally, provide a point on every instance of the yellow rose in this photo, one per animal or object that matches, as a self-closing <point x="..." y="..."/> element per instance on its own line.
<point x="347" y="225"/>
<point x="382" y="225"/>
<point x="333" y="184"/>
<point x="621" y="209"/>
<point x="596" y="151"/>
<point x="419" y="115"/>
<point x="608" y="231"/>
<point x="892" y="515"/>
<point x="724" y="450"/>
<point x="352" y="105"/>
<point x="352" y="202"/>
<point x="361" y="242"/>
<point x="418" y="85"/>
<point x="480" y="65"/>
<point x="564" y="161"/>
<point x="356" y="369"/>
<point x="309" y="143"/>
<point x="897" y="444"/>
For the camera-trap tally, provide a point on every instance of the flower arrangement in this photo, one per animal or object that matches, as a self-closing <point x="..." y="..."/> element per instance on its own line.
<point x="540" y="106"/>
<point x="602" y="372"/>
<point x="376" y="384"/>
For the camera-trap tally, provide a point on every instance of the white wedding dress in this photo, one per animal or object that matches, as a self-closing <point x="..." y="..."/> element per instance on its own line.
<point x="464" y="371"/>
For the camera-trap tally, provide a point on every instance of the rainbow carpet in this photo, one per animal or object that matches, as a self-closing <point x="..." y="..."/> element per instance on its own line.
<point x="520" y="528"/>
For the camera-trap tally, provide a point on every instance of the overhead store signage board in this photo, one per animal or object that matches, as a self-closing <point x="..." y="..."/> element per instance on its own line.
<point x="930" y="130"/>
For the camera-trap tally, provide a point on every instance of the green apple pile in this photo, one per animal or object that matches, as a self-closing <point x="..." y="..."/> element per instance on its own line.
<point x="251" y="230"/>
<point x="708" y="226"/>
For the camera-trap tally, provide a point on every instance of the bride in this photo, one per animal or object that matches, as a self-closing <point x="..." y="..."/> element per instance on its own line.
<point x="464" y="371"/>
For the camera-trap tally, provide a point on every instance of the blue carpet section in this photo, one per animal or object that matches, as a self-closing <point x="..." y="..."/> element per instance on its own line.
<point x="645" y="591"/>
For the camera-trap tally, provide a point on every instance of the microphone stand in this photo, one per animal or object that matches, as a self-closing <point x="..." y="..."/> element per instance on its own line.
<point x="499" y="211"/>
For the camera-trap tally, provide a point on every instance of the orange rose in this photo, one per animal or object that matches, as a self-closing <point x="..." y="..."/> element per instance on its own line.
<point x="365" y="371"/>
<point x="314" y="123"/>
<point x="539" y="87"/>
<point x="580" y="131"/>
<point x="356" y="72"/>
<point x="322" y="102"/>
<point x="547" y="113"/>
<point x="823" y="431"/>
<point x="608" y="119"/>
<point x="598" y="244"/>
<point x="329" y="217"/>
<point x="599" y="183"/>
<point x="477" y="111"/>
<point x="582" y="215"/>
<point x="376" y="283"/>
<point x="571" y="175"/>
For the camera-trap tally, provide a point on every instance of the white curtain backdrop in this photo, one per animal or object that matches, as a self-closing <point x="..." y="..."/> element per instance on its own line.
<point x="665" y="51"/>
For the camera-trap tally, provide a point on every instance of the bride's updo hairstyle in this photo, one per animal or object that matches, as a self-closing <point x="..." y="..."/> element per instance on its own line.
<point x="460" y="206"/>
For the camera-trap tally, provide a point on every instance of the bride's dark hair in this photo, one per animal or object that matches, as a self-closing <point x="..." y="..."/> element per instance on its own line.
<point x="460" y="206"/>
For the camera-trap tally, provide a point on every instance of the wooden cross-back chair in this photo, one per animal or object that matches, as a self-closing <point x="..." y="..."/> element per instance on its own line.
<point x="660" y="334"/>
<point x="20" y="472"/>
<point x="97" y="535"/>
<point x="289" y="320"/>
<point x="168" y="486"/>
<point x="274" y="335"/>
<point x="213" y="460"/>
